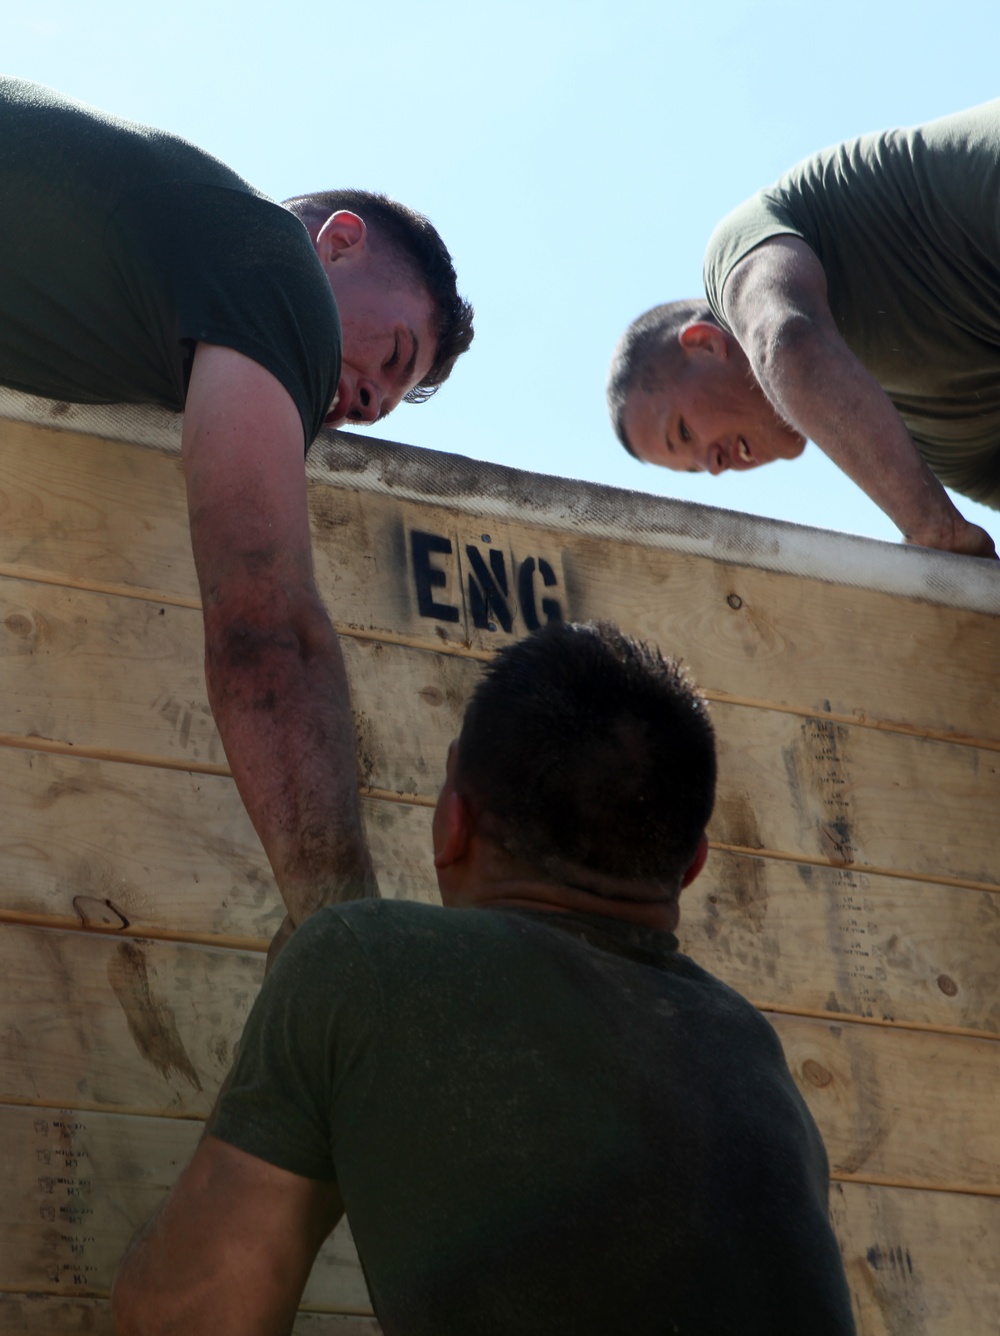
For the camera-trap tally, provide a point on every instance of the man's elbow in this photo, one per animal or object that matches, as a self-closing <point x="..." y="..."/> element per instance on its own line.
<point x="244" y="636"/>
<point x="785" y="348"/>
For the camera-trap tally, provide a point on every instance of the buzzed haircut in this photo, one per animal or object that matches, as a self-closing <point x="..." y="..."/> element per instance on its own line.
<point x="587" y="746"/>
<point x="416" y="243"/>
<point x="647" y="353"/>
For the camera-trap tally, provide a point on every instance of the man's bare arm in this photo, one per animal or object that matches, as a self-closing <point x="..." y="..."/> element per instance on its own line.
<point x="776" y="302"/>
<point x="275" y="673"/>
<point x="228" y="1252"/>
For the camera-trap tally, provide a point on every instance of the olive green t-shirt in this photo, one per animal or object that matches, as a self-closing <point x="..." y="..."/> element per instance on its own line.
<point x="541" y="1123"/>
<point x="122" y="247"/>
<point x="907" y="227"/>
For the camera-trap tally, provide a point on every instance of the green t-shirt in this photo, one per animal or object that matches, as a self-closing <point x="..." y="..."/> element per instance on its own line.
<point x="540" y="1123"/>
<point x="121" y="247"/>
<point x="907" y="227"/>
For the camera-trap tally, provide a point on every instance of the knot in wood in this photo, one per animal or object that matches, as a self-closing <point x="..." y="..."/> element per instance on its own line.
<point x="816" y="1074"/>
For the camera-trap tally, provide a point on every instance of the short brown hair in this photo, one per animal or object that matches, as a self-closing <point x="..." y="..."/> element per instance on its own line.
<point x="646" y="354"/>
<point x="417" y="244"/>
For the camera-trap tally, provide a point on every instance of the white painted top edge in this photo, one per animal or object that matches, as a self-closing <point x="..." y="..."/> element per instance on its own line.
<point x="367" y="464"/>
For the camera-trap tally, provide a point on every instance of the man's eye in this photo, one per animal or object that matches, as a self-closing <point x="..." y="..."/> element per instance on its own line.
<point x="395" y="353"/>
<point x="682" y="430"/>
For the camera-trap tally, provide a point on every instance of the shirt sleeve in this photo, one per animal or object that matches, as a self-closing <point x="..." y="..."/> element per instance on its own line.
<point x="215" y="265"/>
<point x="758" y="219"/>
<point x="311" y="1031"/>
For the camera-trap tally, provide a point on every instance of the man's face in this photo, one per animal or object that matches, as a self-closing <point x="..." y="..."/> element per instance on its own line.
<point x="389" y="345"/>
<point x="711" y="418"/>
<point x="387" y="321"/>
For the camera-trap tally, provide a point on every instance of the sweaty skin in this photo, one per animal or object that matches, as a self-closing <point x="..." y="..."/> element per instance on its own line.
<point x="274" y="668"/>
<point x="776" y="302"/>
<point x="784" y="375"/>
<point x="712" y="416"/>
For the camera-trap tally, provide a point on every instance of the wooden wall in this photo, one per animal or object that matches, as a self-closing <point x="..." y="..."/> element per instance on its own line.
<point x="853" y="891"/>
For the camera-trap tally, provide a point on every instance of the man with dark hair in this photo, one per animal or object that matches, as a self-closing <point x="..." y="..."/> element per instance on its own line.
<point x="539" y="1115"/>
<point x="855" y="302"/>
<point x="136" y="268"/>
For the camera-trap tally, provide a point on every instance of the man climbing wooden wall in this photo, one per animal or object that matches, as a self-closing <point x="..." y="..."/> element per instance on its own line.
<point x="853" y="890"/>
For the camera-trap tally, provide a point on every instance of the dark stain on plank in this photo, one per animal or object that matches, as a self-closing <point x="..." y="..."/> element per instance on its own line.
<point x="150" y="1020"/>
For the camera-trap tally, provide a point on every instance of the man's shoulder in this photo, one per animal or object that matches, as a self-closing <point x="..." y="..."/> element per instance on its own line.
<point x="378" y="926"/>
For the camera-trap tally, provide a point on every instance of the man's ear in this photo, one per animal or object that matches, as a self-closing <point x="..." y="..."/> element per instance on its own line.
<point x="343" y="234"/>
<point x="706" y="337"/>
<point x="697" y="863"/>
<point x="453" y="827"/>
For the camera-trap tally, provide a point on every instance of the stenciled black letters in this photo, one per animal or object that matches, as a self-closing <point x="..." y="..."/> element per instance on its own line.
<point x="488" y="589"/>
<point x="494" y="596"/>
<point x="526" y="593"/>
<point x="427" y="577"/>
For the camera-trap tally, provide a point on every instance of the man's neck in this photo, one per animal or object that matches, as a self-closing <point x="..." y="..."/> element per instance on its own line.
<point x="659" y="914"/>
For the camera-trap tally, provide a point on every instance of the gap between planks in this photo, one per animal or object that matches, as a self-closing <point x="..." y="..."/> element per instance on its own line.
<point x="258" y="946"/>
<point x="464" y="650"/>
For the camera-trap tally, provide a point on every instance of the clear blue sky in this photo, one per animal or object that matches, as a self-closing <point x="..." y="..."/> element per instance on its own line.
<point x="575" y="156"/>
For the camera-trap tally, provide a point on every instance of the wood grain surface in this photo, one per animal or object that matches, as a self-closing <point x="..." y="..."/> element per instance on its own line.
<point x="853" y="891"/>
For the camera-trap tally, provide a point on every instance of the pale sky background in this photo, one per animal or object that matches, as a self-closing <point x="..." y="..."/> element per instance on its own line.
<point x="575" y="157"/>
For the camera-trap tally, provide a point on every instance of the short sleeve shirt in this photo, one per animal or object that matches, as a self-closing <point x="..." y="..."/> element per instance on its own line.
<point x="122" y="247"/>
<point x="907" y="227"/>
<point x="540" y="1123"/>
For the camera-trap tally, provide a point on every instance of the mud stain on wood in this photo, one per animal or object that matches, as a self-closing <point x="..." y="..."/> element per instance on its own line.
<point x="818" y="770"/>
<point x="150" y="1021"/>
<point x="746" y="878"/>
<point x="886" y="1278"/>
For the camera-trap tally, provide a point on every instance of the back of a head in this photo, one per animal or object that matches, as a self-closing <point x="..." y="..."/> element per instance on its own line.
<point x="413" y="242"/>
<point x="648" y="354"/>
<point x="585" y="746"/>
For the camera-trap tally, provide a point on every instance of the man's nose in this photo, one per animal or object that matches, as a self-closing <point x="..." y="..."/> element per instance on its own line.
<point x="718" y="460"/>
<point x="368" y="404"/>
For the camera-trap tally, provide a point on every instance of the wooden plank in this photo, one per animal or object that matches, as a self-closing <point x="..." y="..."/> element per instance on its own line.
<point x="854" y="796"/>
<point x="77" y="1185"/>
<point x="900" y="1106"/>
<point x="828" y="940"/>
<point x="100" y="672"/>
<point x="162" y="850"/>
<point x="77" y="508"/>
<point x="919" y="1263"/>
<point x="42" y="1314"/>
<point x="127" y="1023"/>
<point x="81" y="509"/>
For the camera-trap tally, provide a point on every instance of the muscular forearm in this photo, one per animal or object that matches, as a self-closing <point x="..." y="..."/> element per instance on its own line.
<point x="279" y="693"/>
<point x="824" y="392"/>
<point x="227" y="1253"/>
<point x="777" y="304"/>
<point x="276" y="678"/>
